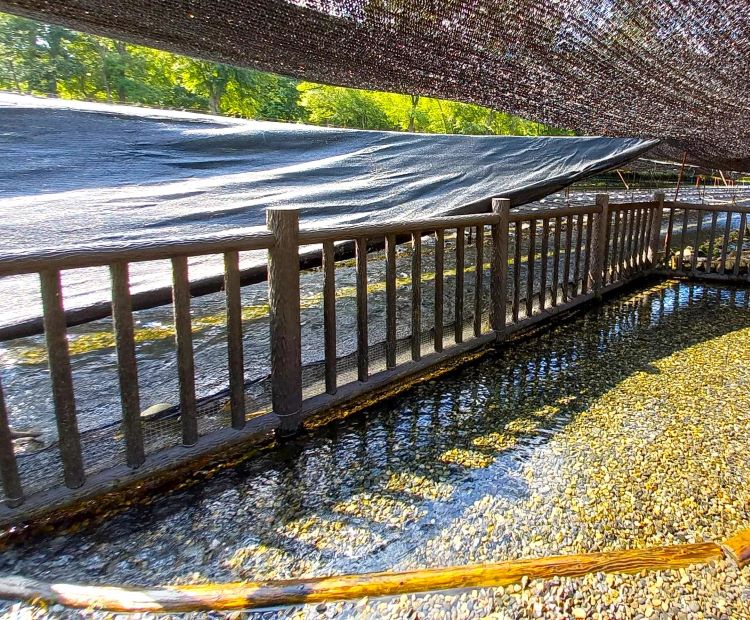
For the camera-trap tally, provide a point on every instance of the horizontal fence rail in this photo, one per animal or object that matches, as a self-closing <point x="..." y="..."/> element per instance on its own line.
<point x="438" y="288"/>
<point x="707" y="241"/>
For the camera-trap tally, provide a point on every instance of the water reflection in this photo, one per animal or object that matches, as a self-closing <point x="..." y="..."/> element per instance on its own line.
<point x="462" y="469"/>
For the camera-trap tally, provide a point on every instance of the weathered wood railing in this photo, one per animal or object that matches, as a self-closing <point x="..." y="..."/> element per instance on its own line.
<point x="707" y="241"/>
<point x="540" y="263"/>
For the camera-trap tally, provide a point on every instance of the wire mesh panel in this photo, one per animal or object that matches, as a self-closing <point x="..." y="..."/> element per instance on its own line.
<point x="548" y="262"/>
<point x="707" y="240"/>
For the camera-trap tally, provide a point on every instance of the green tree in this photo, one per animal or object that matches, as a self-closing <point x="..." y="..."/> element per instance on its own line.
<point x="36" y="58"/>
<point x="342" y="107"/>
<point x="16" y="52"/>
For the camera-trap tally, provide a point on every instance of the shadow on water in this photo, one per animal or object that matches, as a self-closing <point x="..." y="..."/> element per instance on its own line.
<point x="363" y="493"/>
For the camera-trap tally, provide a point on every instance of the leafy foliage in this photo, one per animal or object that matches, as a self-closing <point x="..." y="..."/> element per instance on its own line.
<point x="37" y="58"/>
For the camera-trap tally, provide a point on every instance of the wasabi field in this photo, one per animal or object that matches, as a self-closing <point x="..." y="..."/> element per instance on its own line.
<point x="623" y="428"/>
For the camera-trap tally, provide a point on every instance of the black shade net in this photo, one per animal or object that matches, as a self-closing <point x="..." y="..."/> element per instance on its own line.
<point x="676" y="70"/>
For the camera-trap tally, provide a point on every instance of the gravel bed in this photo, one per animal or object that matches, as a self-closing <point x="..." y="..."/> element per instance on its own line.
<point x="625" y="428"/>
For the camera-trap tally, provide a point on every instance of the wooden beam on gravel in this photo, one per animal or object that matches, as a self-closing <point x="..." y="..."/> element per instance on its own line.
<point x="738" y="547"/>
<point x="247" y="595"/>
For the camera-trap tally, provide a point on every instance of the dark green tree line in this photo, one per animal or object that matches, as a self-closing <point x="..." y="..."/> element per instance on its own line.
<point x="41" y="59"/>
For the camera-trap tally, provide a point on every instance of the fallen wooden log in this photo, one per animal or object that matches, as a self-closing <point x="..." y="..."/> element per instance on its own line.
<point x="738" y="547"/>
<point x="247" y="595"/>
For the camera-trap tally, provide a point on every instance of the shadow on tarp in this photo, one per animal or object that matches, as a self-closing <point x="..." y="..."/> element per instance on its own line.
<point x="85" y="174"/>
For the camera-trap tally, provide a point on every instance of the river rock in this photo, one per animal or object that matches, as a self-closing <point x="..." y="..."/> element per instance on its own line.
<point x="154" y="410"/>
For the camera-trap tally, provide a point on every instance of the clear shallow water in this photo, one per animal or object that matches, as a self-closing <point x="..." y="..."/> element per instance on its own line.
<point x="624" y="428"/>
<point x="23" y="364"/>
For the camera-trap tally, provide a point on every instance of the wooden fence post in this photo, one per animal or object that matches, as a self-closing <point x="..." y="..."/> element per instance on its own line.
<point x="329" y="316"/>
<point x="235" y="353"/>
<point x="599" y="246"/>
<point x="653" y="246"/>
<point x="286" y="336"/>
<point x="499" y="266"/>
<point x="127" y="367"/>
<point x="8" y="466"/>
<point x="58" y="359"/>
<point x="183" y="334"/>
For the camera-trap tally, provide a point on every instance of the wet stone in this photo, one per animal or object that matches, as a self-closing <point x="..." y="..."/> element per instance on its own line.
<point x="625" y="428"/>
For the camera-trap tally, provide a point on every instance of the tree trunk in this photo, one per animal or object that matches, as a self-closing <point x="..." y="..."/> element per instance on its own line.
<point x="490" y="120"/>
<point x="249" y="595"/>
<point x="442" y="116"/>
<point x="123" y="52"/>
<point x="14" y="75"/>
<point x="214" y="102"/>
<point x="413" y="111"/>
<point x="105" y="77"/>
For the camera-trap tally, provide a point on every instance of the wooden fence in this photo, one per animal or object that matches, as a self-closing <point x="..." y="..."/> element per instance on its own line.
<point x="527" y="267"/>
<point x="706" y="241"/>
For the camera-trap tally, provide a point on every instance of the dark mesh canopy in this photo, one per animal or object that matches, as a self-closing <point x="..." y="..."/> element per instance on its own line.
<point x="672" y="69"/>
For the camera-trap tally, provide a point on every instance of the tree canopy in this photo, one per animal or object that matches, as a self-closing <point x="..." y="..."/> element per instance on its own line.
<point x="42" y="59"/>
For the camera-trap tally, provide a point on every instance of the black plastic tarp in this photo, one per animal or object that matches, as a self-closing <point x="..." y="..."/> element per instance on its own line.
<point x="75" y="174"/>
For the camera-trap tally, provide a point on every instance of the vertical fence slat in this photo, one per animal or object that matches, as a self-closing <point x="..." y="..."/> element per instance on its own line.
<point x="363" y="359"/>
<point x="587" y="255"/>
<point x="648" y="216"/>
<point x="439" y="291"/>
<point x="607" y="221"/>
<point x="629" y="245"/>
<point x="627" y="216"/>
<point x="329" y="317"/>
<point x="577" y="258"/>
<point x="416" y="296"/>
<point x="740" y="241"/>
<point x="8" y="466"/>
<point x="616" y="215"/>
<point x="499" y="266"/>
<point x="683" y="240"/>
<point x="622" y="258"/>
<point x="184" y="342"/>
<point x="725" y="243"/>
<point x="668" y="238"/>
<point x="530" y="260"/>
<point x="632" y="236"/>
<point x="698" y="230"/>
<point x="566" y="263"/>
<point x="656" y="218"/>
<point x="236" y="358"/>
<point x="543" y="271"/>
<point x="633" y="240"/>
<point x="478" y="282"/>
<point x="459" y="298"/>
<point x="390" y="298"/>
<point x="639" y="221"/>
<point x="127" y="367"/>
<point x="636" y="237"/>
<point x="58" y="358"/>
<point x="645" y="236"/>
<point x="556" y="260"/>
<point x="284" y="301"/>
<point x="517" y="271"/>
<point x="711" y="239"/>
<point x="636" y="233"/>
